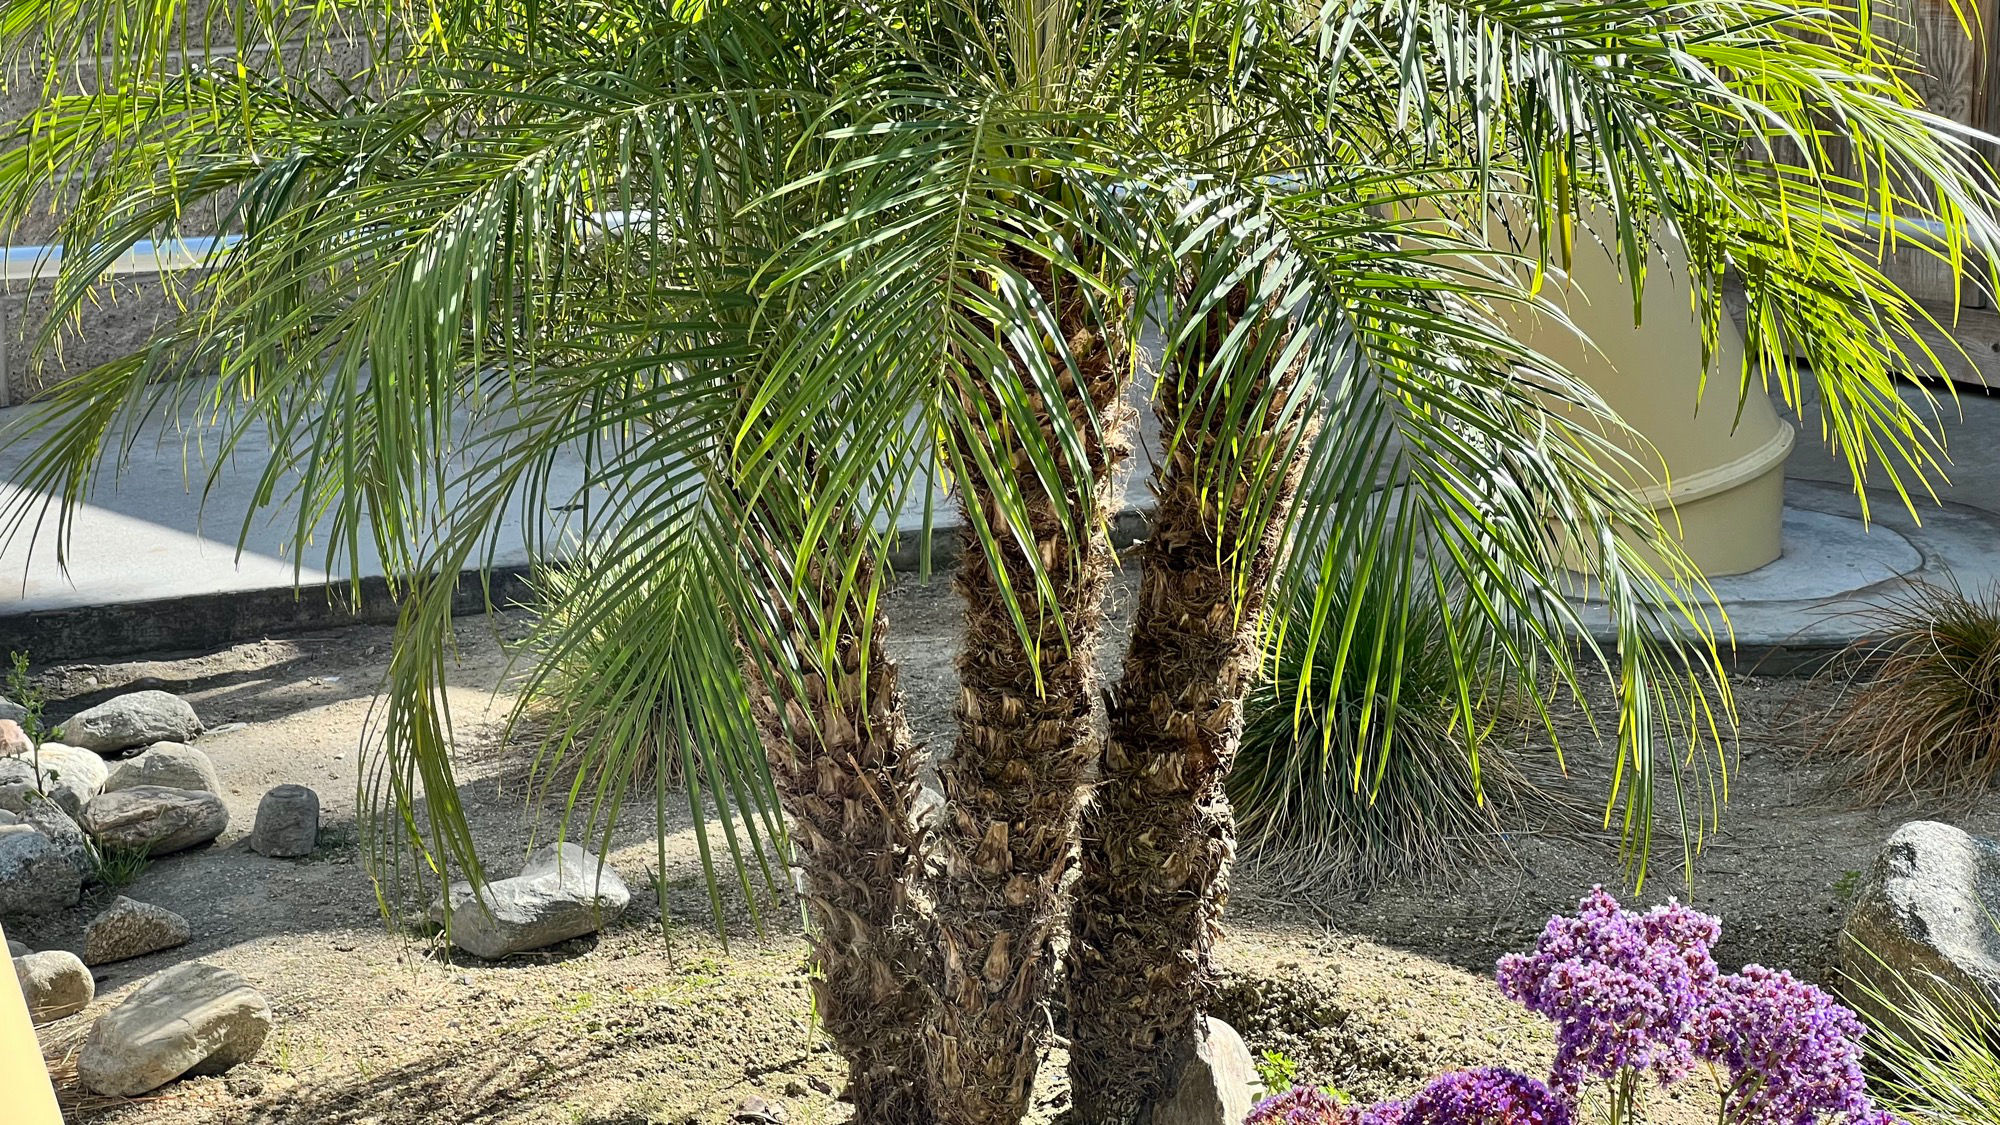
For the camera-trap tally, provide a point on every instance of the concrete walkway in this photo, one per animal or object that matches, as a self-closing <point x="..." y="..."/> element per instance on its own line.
<point x="154" y="565"/>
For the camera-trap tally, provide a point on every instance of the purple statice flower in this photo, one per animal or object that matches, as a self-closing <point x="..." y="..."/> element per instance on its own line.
<point x="1302" y="1106"/>
<point x="1792" y="1053"/>
<point x="1485" y="1096"/>
<point x="1625" y="990"/>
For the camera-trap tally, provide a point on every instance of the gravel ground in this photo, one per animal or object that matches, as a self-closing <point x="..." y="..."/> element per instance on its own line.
<point x="662" y="1019"/>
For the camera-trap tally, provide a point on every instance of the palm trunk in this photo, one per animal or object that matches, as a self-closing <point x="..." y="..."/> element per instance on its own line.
<point x="1014" y="780"/>
<point x="845" y="769"/>
<point x="1158" y="838"/>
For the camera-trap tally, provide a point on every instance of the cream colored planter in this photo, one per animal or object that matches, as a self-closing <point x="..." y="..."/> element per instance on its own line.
<point x="1714" y="477"/>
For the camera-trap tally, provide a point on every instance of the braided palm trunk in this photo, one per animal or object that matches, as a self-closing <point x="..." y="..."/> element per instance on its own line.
<point x="1015" y="777"/>
<point x="1158" y="838"/>
<point x="845" y="769"/>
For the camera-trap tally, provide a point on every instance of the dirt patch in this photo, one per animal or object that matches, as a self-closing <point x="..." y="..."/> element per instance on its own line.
<point x="659" y="1019"/>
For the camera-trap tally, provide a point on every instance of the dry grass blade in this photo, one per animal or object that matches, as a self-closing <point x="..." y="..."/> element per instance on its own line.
<point x="1921" y="713"/>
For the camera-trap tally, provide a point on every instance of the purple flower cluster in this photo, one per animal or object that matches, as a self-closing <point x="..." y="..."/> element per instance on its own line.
<point x="1300" y="1106"/>
<point x="1626" y="991"/>
<point x="1487" y="1096"/>
<point x="1793" y="1054"/>
<point x="1636" y="995"/>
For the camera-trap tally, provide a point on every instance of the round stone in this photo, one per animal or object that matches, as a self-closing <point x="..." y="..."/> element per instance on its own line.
<point x="55" y="984"/>
<point x="171" y="764"/>
<point x="287" y="822"/>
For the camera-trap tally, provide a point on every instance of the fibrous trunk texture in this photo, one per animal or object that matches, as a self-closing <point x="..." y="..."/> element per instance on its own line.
<point x="1014" y="779"/>
<point x="1158" y="837"/>
<point x="845" y="769"/>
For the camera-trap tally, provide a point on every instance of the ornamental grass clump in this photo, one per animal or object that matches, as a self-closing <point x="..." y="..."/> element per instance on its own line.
<point x="1373" y="760"/>
<point x="1922" y="713"/>
<point x="589" y="705"/>
<point x="1638" y="1002"/>
<point x="1936" y="1050"/>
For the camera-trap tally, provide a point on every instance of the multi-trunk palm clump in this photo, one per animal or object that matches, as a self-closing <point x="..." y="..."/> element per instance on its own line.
<point x="771" y="272"/>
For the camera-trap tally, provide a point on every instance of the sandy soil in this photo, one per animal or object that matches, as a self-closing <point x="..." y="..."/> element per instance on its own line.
<point x="660" y="1019"/>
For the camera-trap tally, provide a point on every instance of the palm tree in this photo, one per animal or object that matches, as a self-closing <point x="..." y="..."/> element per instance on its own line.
<point x="1696" y="142"/>
<point x="771" y="270"/>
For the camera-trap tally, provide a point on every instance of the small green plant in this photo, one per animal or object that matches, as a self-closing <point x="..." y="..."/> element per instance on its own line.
<point x="1847" y="886"/>
<point x="22" y="689"/>
<point x="1921" y="715"/>
<point x="118" y="867"/>
<point x="1277" y="1072"/>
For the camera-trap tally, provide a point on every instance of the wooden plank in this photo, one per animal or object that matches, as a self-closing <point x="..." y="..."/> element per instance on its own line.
<point x="1950" y="74"/>
<point x="1975" y="361"/>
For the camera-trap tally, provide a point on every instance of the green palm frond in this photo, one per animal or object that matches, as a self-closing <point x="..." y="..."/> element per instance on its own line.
<point x="769" y="273"/>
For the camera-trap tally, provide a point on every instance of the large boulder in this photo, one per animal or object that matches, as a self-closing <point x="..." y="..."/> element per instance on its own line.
<point x="36" y="876"/>
<point x="70" y="775"/>
<point x="562" y="892"/>
<point x="194" y="1018"/>
<point x="1926" y="913"/>
<point x="154" y="819"/>
<point x="139" y="718"/>
<point x="55" y="984"/>
<point x="1219" y="1086"/>
<point x="50" y="820"/>
<point x="174" y="765"/>
<point x="287" y="822"/>
<point x="129" y="928"/>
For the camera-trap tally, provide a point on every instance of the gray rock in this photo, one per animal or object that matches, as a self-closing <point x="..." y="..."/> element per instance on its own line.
<point x="171" y="764"/>
<point x="12" y="711"/>
<point x="16" y="796"/>
<point x="50" y="820"/>
<point x="1927" y="913"/>
<point x="140" y="718"/>
<point x="19" y="784"/>
<point x="194" y="1018"/>
<point x="129" y="928"/>
<point x="551" y="900"/>
<point x="55" y="984"/>
<point x="155" y="819"/>
<point x="287" y="822"/>
<point x="69" y="775"/>
<point x="17" y="948"/>
<point x="13" y="740"/>
<point x="36" y="877"/>
<point x="1219" y="1086"/>
<point x="8" y="818"/>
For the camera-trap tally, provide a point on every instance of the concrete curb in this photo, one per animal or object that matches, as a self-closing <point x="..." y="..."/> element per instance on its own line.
<point x="209" y="621"/>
